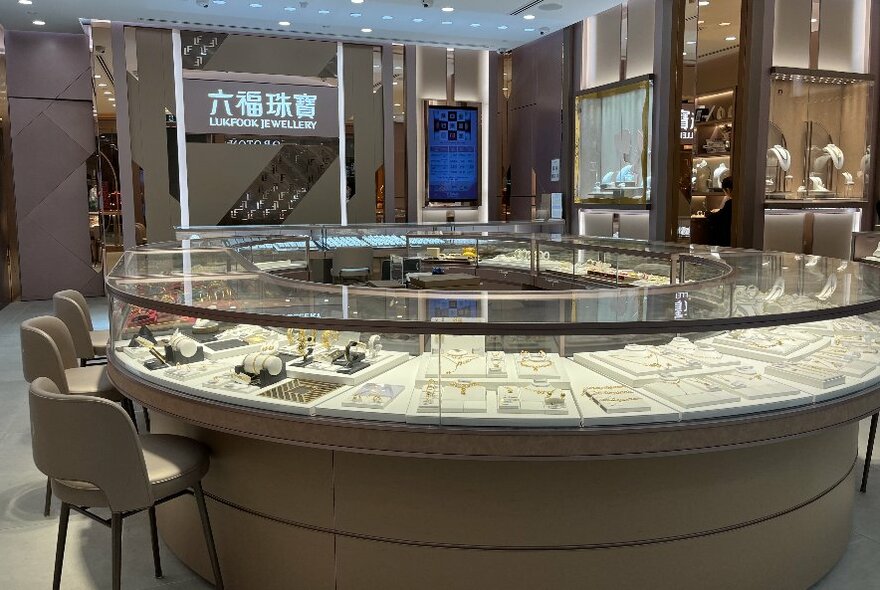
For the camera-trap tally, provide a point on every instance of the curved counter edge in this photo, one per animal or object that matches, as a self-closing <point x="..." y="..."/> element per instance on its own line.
<point x="499" y="443"/>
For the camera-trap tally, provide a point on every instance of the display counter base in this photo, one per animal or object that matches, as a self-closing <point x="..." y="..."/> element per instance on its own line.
<point x="285" y="516"/>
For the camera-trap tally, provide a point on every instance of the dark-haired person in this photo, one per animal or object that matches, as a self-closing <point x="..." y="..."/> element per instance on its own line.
<point x="719" y="220"/>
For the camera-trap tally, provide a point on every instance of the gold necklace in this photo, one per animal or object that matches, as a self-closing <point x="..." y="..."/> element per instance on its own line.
<point x="528" y="362"/>
<point x="461" y="386"/>
<point x="459" y="359"/>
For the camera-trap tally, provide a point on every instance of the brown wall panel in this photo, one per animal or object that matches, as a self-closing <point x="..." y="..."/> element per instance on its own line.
<point x="52" y="137"/>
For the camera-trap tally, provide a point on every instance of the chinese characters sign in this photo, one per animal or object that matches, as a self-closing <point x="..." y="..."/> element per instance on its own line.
<point x="453" y="154"/>
<point x="260" y="109"/>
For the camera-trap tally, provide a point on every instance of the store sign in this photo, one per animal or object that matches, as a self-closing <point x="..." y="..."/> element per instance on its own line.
<point x="687" y="124"/>
<point x="242" y="108"/>
<point x="555" y="167"/>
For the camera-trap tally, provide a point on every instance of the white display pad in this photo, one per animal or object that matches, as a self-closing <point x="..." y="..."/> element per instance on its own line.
<point x="770" y="345"/>
<point x="328" y="372"/>
<point x="692" y="392"/>
<point x="846" y="328"/>
<point x="395" y="411"/>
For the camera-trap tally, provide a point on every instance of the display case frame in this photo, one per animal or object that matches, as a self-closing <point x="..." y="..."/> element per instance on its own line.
<point x="619" y="190"/>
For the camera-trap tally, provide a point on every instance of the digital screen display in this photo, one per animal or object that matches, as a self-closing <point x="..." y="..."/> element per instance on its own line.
<point x="452" y="308"/>
<point x="453" y="153"/>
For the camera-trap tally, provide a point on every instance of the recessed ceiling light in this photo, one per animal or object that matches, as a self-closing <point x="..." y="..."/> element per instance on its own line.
<point x="723" y="24"/>
<point x="107" y="93"/>
<point x="394" y="83"/>
<point x="220" y="2"/>
<point x="366" y="30"/>
<point x="529" y="30"/>
<point x="446" y="22"/>
<point x="684" y="52"/>
<point x="357" y="1"/>
<point x="255" y="5"/>
<point x="731" y="38"/>
<point x="397" y="104"/>
<point x="502" y="27"/>
<point x="324" y="11"/>
<point x="97" y="76"/>
<point x="450" y="49"/>
<point x="355" y="15"/>
<point x="418" y="20"/>
<point x="691" y="42"/>
<point x="25" y="2"/>
<point x="704" y="2"/>
<point x="284" y="23"/>
<point x="387" y="17"/>
<point x="290" y="8"/>
<point x="475" y="25"/>
<point x="447" y="9"/>
<point x="699" y="22"/>
<point x="111" y="99"/>
<point x="529" y="16"/>
<point x="39" y="23"/>
<point x="102" y="85"/>
<point x="814" y="20"/>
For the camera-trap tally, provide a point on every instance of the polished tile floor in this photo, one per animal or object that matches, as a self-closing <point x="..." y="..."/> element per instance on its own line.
<point x="27" y="539"/>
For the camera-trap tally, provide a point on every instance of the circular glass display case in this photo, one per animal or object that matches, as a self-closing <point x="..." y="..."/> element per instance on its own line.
<point x="606" y="333"/>
<point x="447" y="431"/>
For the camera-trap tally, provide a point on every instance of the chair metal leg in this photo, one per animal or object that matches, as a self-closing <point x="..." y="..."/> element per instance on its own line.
<point x="147" y="419"/>
<point x="154" y="538"/>
<point x="62" y="541"/>
<point x="869" y="451"/>
<point x="47" y="505"/>
<point x="116" y="533"/>
<point x="128" y="406"/>
<point x="209" y="536"/>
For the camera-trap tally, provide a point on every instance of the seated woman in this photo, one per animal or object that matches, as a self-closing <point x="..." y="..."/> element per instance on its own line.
<point x="719" y="220"/>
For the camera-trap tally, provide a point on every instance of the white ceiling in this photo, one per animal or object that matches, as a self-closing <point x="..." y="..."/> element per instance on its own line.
<point x="550" y="15"/>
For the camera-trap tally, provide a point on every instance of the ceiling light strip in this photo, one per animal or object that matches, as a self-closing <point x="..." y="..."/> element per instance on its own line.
<point x="526" y="7"/>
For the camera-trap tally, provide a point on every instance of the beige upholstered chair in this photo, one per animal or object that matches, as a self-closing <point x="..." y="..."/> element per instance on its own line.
<point x="47" y="350"/>
<point x="72" y="309"/>
<point x="93" y="457"/>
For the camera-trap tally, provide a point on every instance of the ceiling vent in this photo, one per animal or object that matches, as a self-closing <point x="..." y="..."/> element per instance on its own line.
<point x="525" y="8"/>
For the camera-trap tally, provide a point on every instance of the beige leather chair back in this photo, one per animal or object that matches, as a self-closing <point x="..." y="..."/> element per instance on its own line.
<point x="597" y="224"/>
<point x="71" y="308"/>
<point x="47" y="350"/>
<point x="87" y="439"/>
<point x="784" y="232"/>
<point x="634" y="226"/>
<point x="832" y="234"/>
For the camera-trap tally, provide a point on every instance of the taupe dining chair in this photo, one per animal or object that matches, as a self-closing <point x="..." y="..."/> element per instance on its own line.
<point x="71" y="308"/>
<point x="47" y="350"/>
<point x="93" y="457"/>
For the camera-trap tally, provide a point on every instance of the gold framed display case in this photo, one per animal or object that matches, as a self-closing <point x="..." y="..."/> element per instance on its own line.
<point x="817" y="140"/>
<point x="612" y="150"/>
<point x="731" y="333"/>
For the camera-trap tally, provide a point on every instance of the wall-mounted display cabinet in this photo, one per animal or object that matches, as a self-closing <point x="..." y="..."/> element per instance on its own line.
<point x="713" y="144"/>
<point x="817" y="140"/>
<point x="613" y="143"/>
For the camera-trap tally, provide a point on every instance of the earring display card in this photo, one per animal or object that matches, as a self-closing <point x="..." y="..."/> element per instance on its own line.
<point x="808" y="373"/>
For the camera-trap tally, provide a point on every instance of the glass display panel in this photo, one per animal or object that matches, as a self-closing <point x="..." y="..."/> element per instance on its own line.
<point x="817" y="143"/>
<point x="612" y="144"/>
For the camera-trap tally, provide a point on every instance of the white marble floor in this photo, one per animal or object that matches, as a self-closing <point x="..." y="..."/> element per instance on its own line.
<point x="27" y="539"/>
